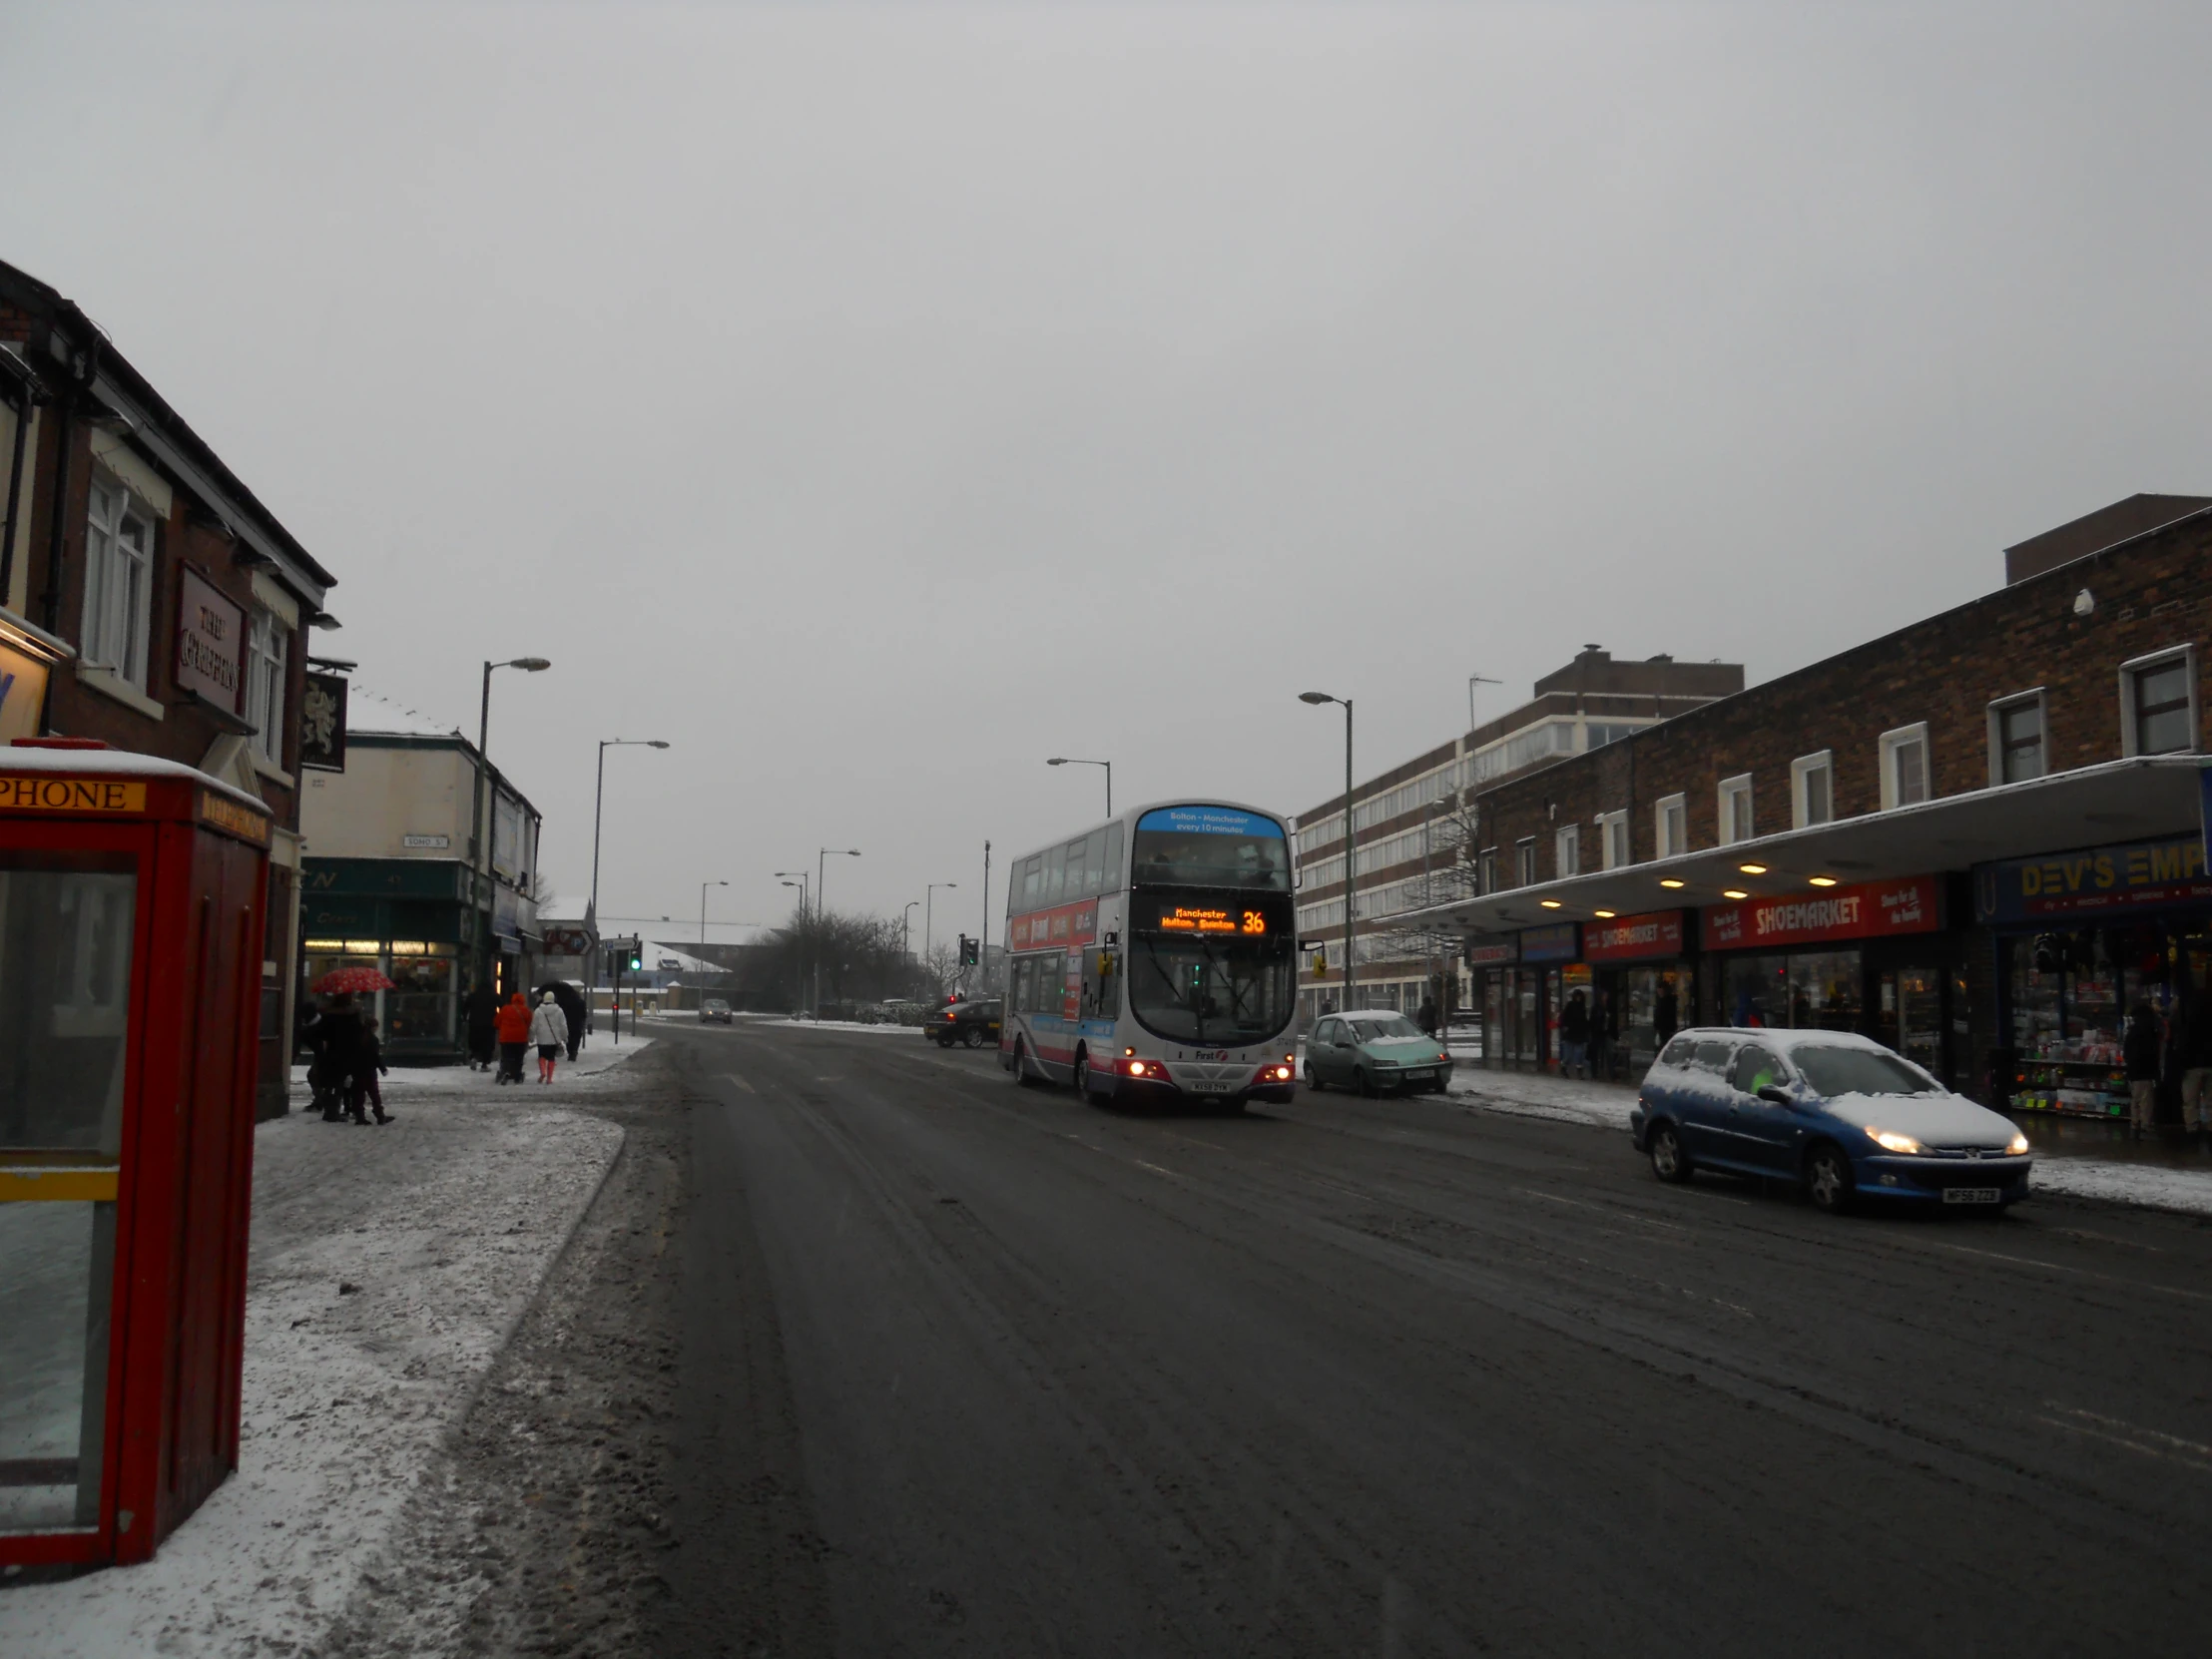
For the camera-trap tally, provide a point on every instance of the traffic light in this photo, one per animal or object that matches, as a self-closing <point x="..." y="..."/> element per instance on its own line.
<point x="971" y="951"/>
<point x="636" y="962"/>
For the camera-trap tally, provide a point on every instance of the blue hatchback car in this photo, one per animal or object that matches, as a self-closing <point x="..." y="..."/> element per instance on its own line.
<point x="1834" y="1111"/>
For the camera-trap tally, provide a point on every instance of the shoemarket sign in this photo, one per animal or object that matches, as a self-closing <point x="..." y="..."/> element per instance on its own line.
<point x="1870" y="911"/>
<point x="1631" y="938"/>
<point x="2131" y="876"/>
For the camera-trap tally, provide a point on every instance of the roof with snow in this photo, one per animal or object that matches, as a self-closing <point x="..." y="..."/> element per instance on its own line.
<point x="368" y="711"/>
<point x="666" y="958"/>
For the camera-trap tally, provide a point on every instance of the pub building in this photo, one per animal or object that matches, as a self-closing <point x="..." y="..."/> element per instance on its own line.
<point x="2008" y="978"/>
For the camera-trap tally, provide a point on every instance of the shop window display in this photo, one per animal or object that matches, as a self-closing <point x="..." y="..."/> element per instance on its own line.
<point x="1810" y="990"/>
<point x="2068" y="995"/>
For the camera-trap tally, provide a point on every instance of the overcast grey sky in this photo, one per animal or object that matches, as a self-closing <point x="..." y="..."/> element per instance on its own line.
<point x="877" y="402"/>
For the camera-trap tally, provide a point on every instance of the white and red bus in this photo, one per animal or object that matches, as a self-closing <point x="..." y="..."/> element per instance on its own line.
<point x="1154" y="958"/>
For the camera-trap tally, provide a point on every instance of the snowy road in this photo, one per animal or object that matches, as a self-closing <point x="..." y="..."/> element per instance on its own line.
<point x="971" y="1369"/>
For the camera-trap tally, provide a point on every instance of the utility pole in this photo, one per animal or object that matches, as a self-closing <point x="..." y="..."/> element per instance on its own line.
<point x="983" y="935"/>
<point x="1352" y="972"/>
<point x="1474" y="680"/>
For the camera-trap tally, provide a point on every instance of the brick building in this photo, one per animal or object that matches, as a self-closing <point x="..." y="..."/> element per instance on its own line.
<point x="148" y="599"/>
<point x="1412" y="834"/>
<point x="1976" y="838"/>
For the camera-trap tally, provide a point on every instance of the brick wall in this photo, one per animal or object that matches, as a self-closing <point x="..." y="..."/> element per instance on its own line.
<point x="2150" y="594"/>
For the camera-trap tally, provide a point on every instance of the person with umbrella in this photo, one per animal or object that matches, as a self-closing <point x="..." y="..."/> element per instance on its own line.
<point x="572" y="1011"/>
<point x="347" y="1052"/>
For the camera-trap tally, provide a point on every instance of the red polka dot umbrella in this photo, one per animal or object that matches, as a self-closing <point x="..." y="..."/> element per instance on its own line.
<point x="352" y="981"/>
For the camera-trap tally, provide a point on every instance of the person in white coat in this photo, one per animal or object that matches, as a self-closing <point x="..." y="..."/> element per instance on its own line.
<point x="549" y="1031"/>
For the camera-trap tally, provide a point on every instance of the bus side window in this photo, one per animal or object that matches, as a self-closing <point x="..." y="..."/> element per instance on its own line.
<point x="1110" y="881"/>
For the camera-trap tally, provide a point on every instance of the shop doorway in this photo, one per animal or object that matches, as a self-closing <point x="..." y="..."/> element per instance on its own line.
<point x="1908" y="1017"/>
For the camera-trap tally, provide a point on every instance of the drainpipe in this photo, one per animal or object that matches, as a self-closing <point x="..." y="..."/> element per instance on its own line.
<point x="15" y="493"/>
<point x="82" y="369"/>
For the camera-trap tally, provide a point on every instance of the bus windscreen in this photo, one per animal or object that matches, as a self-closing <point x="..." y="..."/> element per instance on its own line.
<point x="1210" y="846"/>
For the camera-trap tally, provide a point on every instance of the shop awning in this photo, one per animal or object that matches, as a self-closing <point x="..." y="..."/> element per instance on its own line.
<point x="2115" y="802"/>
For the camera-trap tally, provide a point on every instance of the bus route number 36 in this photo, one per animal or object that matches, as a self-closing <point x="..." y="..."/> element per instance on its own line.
<point x="1253" y="922"/>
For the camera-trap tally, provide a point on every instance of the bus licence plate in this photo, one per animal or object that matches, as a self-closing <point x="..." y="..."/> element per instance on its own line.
<point x="1208" y="1088"/>
<point x="1971" y="1195"/>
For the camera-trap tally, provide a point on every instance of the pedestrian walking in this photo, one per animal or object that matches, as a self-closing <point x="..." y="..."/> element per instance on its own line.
<point x="1666" y="1018"/>
<point x="341" y="1031"/>
<point x="326" y="1073"/>
<point x="1426" y="1018"/>
<point x="482" y="1014"/>
<point x="549" y="1031"/>
<point x="1604" y="1027"/>
<point x="514" y="1037"/>
<point x="2194" y="1060"/>
<point x="2139" y="1053"/>
<point x="572" y="1012"/>
<point x="365" y="1090"/>
<point x="1574" y="1037"/>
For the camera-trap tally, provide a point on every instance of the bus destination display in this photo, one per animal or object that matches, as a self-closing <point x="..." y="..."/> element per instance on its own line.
<point x="1240" y="917"/>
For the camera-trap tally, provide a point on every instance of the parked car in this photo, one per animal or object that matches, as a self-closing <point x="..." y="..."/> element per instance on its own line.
<point x="1834" y="1111"/>
<point x="714" y="1008"/>
<point x="973" y="1024"/>
<point x="1377" y="1052"/>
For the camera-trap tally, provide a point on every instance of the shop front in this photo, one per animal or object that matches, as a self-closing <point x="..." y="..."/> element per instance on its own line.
<point x="405" y="919"/>
<point x="1873" y="959"/>
<point x="1521" y="1000"/>
<point x="1643" y="983"/>
<point x="1489" y="964"/>
<point x="2080" y="939"/>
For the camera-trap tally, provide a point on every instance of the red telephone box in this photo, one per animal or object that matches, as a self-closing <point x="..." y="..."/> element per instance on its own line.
<point x="131" y="898"/>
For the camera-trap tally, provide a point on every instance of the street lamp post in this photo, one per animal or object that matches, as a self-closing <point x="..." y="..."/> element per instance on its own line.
<point x="1474" y="680"/>
<point x="822" y="859"/>
<point x="480" y="853"/>
<point x="703" y="886"/>
<point x="598" y="804"/>
<point x="1064" y="761"/>
<point x="800" y="885"/>
<point x="906" y="931"/>
<point x="1351" y="972"/>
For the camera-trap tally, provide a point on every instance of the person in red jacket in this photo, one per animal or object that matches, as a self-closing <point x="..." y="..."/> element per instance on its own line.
<point x="514" y="1037"/>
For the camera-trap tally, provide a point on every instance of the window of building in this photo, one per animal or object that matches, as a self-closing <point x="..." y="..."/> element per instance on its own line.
<point x="266" y="640"/>
<point x="1671" y="826"/>
<point x="1735" y="808"/>
<point x="2017" y="738"/>
<point x="1567" y="850"/>
<point x="1486" y="871"/>
<point x="1812" y="790"/>
<point x="1612" y="829"/>
<point x="1524" y="862"/>
<point x="119" y="581"/>
<point x="1904" y="770"/>
<point x="2158" y="703"/>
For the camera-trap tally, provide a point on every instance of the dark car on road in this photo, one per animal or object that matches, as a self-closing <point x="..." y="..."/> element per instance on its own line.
<point x="714" y="1008"/>
<point x="971" y="1025"/>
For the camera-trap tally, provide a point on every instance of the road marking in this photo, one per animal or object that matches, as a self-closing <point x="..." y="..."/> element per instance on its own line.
<point x="2078" y="1273"/>
<point x="1154" y="1168"/>
<point x="2133" y="1437"/>
<point x="732" y="1077"/>
<point x="1614" y="1211"/>
<point x="839" y="1078"/>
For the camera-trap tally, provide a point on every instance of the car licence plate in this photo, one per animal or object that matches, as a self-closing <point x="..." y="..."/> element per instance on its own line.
<point x="1419" y="1076"/>
<point x="1971" y="1195"/>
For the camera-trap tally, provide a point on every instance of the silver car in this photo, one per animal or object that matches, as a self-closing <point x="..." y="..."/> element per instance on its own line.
<point x="1377" y="1052"/>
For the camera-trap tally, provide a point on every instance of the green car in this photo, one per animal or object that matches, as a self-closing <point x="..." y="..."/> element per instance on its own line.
<point x="1376" y="1052"/>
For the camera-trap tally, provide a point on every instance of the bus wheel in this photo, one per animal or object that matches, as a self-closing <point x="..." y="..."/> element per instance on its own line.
<point x="1021" y="1065"/>
<point x="1082" y="1079"/>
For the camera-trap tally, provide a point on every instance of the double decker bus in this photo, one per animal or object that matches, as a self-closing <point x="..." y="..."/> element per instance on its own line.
<point x="1154" y="958"/>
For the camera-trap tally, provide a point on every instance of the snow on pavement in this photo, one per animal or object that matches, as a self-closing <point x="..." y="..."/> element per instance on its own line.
<point x="387" y="1268"/>
<point x="2147" y="1186"/>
